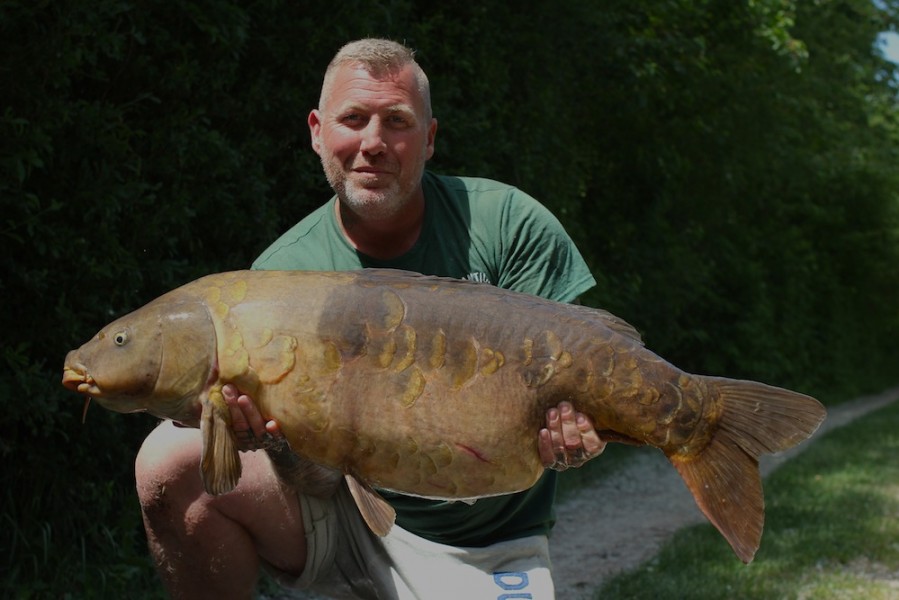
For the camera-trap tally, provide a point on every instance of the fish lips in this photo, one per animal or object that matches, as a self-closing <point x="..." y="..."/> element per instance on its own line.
<point x="78" y="380"/>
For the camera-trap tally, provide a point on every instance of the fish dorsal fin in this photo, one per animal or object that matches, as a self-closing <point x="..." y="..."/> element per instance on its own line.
<point x="377" y="513"/>
<point x="619" y="325"/>
<point x="220" y="463"/>
<point x="590" y="314"/>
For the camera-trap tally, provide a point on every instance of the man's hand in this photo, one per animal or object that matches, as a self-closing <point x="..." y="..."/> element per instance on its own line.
<point x="569" y="439"/>
<point x="251" y="431"/>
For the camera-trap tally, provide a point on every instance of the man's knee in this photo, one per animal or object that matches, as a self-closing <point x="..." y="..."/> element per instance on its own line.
<point x="167" y="466"/>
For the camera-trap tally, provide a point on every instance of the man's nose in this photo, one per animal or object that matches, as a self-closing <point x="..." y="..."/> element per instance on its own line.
<point x="373" y="137"/>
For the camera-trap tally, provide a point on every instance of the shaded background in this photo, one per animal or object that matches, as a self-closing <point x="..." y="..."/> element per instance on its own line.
<point x="727" y="168"/>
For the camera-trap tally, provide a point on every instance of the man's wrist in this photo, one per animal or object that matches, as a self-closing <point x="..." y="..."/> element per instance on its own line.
<point x="302" y="475"/>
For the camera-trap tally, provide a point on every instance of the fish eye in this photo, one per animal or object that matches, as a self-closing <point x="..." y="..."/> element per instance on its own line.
<point x="120" y="338"/>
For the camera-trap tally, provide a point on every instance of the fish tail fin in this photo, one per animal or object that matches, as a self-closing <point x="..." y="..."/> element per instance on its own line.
<point x="220" y="465"/>
<point x="724" y="478"/>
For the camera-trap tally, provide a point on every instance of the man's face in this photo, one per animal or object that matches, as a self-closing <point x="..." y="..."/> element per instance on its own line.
<point x="374" y="138"/>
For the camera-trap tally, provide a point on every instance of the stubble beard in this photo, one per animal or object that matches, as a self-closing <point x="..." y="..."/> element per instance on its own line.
<point x="370" y="203"/>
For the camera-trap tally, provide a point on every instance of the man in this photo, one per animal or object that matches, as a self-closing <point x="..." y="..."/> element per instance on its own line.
<point x="374" y="132"/>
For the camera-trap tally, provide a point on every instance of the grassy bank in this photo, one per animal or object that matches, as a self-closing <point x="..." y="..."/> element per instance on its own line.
<point x="832" y="530"/>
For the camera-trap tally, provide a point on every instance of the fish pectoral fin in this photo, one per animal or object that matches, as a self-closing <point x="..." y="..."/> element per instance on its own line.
<point x="220" y="465"/>
<point x="377" y="513"/>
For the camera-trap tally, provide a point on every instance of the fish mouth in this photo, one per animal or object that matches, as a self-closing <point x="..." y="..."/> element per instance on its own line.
<point x="79" y="381"/>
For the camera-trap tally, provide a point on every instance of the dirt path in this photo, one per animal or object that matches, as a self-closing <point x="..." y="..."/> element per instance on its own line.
<point x="622" y="521"/>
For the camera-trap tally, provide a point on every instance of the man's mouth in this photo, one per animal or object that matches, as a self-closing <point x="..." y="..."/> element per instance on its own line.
<point x="371" y="171"/>
<point x="374" y="178"/>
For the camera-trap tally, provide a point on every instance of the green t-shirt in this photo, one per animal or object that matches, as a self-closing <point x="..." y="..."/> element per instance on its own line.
<point x="473" y="229"/>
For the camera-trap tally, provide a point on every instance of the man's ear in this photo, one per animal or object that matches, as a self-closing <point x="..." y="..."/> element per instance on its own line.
<point x="315" y="129"/>
<point x="432" y="134"/>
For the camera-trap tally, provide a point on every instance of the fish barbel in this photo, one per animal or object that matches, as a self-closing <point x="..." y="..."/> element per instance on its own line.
<point x="431" y="386"/>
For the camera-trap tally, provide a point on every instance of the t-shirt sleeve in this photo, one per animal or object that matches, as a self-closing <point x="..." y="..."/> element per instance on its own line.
<point x="537" y="256"/>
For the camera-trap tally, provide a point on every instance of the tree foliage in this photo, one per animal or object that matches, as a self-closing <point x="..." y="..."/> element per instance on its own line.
<point x="728" y="168"/>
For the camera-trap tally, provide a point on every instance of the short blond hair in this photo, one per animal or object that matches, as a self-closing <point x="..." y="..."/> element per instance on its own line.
<point x="379" y="57"/>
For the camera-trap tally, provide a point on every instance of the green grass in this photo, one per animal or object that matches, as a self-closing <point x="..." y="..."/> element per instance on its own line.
<point x="108" y="560"/>
<point x="831" y="532"/>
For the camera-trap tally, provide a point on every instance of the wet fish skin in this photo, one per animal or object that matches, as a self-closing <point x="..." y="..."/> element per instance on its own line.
<point x="430" y="386"/>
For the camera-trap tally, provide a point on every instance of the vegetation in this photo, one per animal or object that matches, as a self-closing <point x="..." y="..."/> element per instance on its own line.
<point x="830" y="531"/>
<point x="728" y="168"/>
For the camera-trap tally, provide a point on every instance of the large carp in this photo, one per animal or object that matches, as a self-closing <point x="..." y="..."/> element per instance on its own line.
<point x="431" y="386"/>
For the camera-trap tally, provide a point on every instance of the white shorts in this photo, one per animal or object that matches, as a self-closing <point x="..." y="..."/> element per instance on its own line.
<point x="346" y="560"/>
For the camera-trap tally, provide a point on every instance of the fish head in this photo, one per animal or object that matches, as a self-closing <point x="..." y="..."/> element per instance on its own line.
<point x="157" y="359"/>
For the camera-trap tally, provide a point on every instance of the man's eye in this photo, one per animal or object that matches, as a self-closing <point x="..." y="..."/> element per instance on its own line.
<point x="400" y="123"/>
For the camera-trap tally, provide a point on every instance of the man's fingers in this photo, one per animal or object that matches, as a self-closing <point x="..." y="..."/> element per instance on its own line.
<point x="569" y="439"/>
<point x="555" y="442"/>
<point x="250" y="430"/>
<point x="593" y="445"/>
<point x="273" y="429"/>
<point x="244" y="415"/>
<point x="552" y="443"/>
<point x="571" y="435"/>
<point x="545" y="446"/>
<point x="253" y="418"/>
<point x="238" y="419"/>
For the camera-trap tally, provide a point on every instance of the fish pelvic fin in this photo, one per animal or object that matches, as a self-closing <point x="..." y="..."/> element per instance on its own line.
<point x="724" y="478"/>
<point x="376" y="512"/>
<point x="220" y="465"/>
